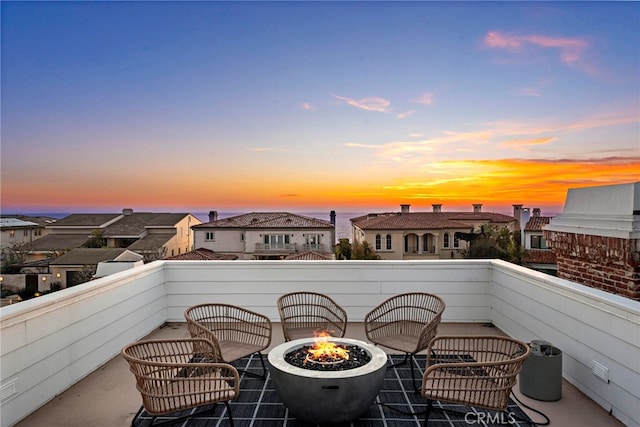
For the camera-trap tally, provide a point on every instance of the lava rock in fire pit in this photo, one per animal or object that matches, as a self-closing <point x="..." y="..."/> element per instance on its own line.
<point x="301" y="358"/>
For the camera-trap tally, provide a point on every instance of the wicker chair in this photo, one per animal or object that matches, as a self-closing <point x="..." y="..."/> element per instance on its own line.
<point x="235" y="331"/>
<point x="405" y="322"/>
<point x="180" y="374"/>
<point x="304" y="313"/>
<point x="472" y="370"/>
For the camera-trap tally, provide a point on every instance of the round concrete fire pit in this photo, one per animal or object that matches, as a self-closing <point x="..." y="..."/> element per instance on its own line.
<point x="325" y="397"/>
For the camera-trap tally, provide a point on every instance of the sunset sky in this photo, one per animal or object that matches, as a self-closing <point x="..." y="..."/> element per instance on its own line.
<point x="299" y="106"/>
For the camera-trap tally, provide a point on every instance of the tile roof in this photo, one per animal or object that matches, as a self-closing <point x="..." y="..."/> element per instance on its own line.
<point x="267" y="220"/>
<point x="310" y="255"/>
<point x="427" y="220"/>
<point x="202" y="254"/>
<point x="536" y="223"/>
<point x="40" y="220"/>
<point x="88" y="256"/>
<point x="84" y="220"/>
<point x="134" y="225"/>
<point x="540" y="256"/>
<point x="151" y="241"/>
<point x="15" y="223"/>
<point x="56" y="242"/>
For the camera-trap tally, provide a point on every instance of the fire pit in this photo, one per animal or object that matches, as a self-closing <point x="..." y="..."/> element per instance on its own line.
<point x="323" y="386"/>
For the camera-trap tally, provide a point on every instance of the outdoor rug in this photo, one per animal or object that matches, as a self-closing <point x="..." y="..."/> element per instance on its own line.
<point x="258" y="405"/>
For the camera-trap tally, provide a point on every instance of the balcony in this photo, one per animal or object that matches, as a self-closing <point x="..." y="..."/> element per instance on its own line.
<point x="60" y="362"/>
<point x="276" y="247"/>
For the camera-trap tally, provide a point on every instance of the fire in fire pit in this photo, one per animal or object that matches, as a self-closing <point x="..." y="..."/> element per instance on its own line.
<point x="326" y="355"/>
<point x="330" y="389"/>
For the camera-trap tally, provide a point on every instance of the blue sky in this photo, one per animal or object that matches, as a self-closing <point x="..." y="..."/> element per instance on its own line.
<point x="305" y="105"/>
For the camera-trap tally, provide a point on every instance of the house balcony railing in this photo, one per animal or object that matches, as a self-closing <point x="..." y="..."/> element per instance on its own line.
<point x="317" y="247"/>
<point x="52" y="342"/>
<point x="276" y="247"/>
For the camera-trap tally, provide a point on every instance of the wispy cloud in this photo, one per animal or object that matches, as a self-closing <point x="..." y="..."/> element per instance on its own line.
<point x="425" y="99"/>
<point x="571" y="51"/>
<point x="406" y="114"/>
<point x="308" y="106"/>
<point x="372" y="103"/>
<point x="527" y="91"/>
<point x="520" y="143"/>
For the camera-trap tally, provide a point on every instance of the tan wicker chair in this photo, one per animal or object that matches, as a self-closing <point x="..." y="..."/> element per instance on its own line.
<point x="472" y="370"/>
<point x="180" y="374"/>
<point x="235" y="331"/>
<point x="405" y="322"/>
<point x="304" y="313"/>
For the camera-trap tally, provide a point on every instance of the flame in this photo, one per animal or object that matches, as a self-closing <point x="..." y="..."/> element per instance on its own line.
<point x="325" y="350"/>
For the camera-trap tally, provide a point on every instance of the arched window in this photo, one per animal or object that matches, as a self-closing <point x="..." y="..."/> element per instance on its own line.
<point x="378" y="242"/>
<point x="389" y="242"/>
<point x="446" y="240"/>
<point x="456" y="242"/>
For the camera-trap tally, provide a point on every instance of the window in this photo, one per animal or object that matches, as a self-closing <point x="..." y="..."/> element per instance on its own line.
<point x="210" y="236"/>
<point x="456" y="241"/>
<point x="446" y="240"/>
<point x="276" y="240"/>
<point x="538" y="242"/>
<point x="312" y="241"/>
<point x="378" y="242"/>
<point x="12" y="233"/>
<point x="25" y="233"/>
<point x="388" y="242"/>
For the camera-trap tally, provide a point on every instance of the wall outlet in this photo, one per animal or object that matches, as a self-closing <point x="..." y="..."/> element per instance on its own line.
<point x="600" y="371"/>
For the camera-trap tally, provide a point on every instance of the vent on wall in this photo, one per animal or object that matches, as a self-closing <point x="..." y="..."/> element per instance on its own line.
<point x="8" y="389"/>
<point x="600" y="371"/>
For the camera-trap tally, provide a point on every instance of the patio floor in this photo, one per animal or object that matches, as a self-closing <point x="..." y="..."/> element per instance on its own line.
<point x="108" y="397"/>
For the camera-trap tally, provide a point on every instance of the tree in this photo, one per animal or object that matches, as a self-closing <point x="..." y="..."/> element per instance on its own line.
<point x="495" y="242"/>
<point x="154" y="254"/>
<point x="96" y="240"/>
<point x="343" y="249"/>
<point x="14" y="254"/>
<point x="363" y="251"/>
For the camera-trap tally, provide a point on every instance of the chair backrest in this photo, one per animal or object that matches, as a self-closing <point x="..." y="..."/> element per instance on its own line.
<point x="419" y="307"/>
<point x="473" y="370"/>
<point x="225" y="322"/>
<point x="177" y="374"/>
<point x="311" y="310"/>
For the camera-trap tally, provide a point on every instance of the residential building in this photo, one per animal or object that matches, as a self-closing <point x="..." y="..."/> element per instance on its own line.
<point x="539" y="255"/>
<point x="202" y="254"/>
<point x="146" y="233"/>
<point x="407" y="235"/>
<point x="80" y="265"/>
<point x="266" y="235"/>
<point x="21" y="229"/>
<point x="596" y="239"/>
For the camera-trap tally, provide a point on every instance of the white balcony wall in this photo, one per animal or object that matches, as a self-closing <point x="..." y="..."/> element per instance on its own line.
<point x="52" y="342"/>
<point x="586" y="324"/>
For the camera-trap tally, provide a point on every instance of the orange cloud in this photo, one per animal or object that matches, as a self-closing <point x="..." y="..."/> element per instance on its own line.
<point x="571" y="50"/>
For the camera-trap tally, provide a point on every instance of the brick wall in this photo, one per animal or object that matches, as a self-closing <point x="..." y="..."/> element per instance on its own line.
<point x="607" y="263"/>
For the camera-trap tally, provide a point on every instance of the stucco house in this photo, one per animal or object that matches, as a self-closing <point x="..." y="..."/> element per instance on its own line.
<point x="539" y="255"/>
<point x="21" y="229"/>
<point x="407" y="235"/>
<point x="141" y="232"/>
<point x="266" y="235"/>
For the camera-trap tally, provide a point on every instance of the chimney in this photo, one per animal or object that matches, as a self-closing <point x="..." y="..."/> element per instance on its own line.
<point x="517" y="212"/>
<point x="213" y="216"/>
<point x="404" y="208"/>
<point x="536" y="211"/>
<point x="127" y="211"/>
<point x="332" y="217"/>
<point x="437" y="207"/>
<point x="477" y="207"/>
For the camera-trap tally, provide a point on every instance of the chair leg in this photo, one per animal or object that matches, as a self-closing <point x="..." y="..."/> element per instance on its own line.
<point x="406" y="357"/>
<point x="226" y="403"/>
<point x="264" y="368"/>
<point x="416" y="389"/>
<point x="428" y="412"/>
<point x="135" y="417"/>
